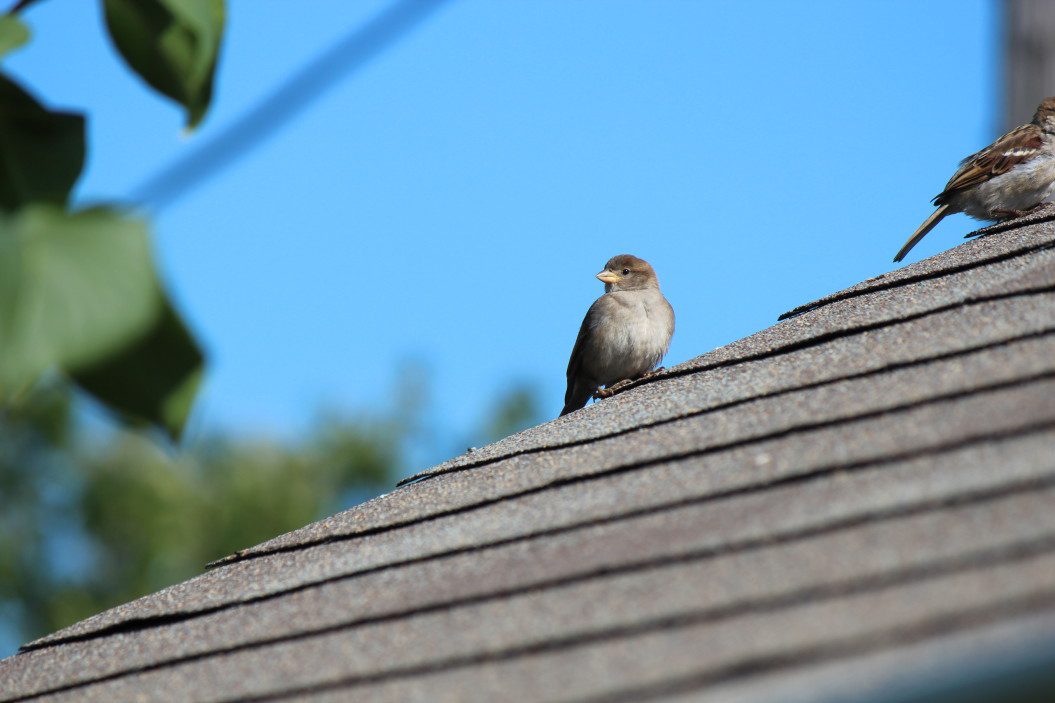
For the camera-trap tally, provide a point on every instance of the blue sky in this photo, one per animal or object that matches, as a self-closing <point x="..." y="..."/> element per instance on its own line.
<point x="449" y="204"/>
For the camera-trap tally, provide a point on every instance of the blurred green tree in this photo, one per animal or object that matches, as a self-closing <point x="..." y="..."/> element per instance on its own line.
<point x="97" y="511"/>
<point x="93" y="515"/>
<point x="510" y="412"/>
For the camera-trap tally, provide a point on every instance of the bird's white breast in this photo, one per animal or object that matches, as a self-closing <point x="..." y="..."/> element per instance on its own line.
<point x="637" y="340"/>
<point x="1022" y="188"/>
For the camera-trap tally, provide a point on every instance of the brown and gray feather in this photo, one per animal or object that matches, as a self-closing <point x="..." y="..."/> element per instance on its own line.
<point x="1013" y="175"/>
<point x="625" y="334"/>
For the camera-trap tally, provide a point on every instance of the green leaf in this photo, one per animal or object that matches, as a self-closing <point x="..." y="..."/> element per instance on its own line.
<point x="153" y="380"/>
<point x="74" y="289"/>
<point x="172" y="45"/>
<point x="78" y="293"/>
<point x="13" y="34"/>
<point x="41" y="152"/>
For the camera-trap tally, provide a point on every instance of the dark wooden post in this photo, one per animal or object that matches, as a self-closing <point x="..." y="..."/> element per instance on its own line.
<point x="1029" y="57"/>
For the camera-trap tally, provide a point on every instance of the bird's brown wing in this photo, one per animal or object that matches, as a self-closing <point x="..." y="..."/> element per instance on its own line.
<point x="581" y="388"/>
<point x="1014" y="148"/>
<point x="575" y="362"/>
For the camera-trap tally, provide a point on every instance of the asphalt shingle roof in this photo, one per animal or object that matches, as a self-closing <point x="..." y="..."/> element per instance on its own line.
<point x="856" y="497"/>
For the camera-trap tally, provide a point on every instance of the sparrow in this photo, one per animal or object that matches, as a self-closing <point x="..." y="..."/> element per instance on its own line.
<point x="1008" y="178"/>
<point x="625" y="334"/>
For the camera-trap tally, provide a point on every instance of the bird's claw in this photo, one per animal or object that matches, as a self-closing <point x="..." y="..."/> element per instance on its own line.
<point x="611" y="390"/>
<point x="1015" y="214"/>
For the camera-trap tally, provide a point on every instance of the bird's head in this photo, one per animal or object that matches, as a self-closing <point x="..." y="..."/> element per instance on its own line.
<point x="1045" y="115"/>
<point x="627" y="272"/>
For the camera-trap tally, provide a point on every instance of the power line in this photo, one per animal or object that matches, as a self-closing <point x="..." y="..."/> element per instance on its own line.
<point x="284" y="103"/>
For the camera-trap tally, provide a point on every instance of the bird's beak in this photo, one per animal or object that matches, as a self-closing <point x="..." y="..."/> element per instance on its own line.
<point x="607" y="276"/>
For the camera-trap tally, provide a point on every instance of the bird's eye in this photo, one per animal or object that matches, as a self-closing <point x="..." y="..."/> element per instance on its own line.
<point x="626" y="272"/>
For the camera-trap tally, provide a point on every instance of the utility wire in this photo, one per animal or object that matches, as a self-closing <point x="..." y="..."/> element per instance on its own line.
<point x="284" y="103"/>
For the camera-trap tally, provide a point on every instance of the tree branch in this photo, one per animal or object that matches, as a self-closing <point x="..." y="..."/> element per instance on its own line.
<point x="19" y="6"/>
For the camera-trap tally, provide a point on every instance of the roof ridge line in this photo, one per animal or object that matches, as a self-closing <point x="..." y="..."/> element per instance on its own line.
<point x="878" y="371"/>
<point x="690" y="454"/>
<point x="788" y="348"/>
<point x="848" y="294"/>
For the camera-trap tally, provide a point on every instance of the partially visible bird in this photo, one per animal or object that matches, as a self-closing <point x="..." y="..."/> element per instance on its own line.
<point x="1008" y="178"/>
<point x="625" y="334"/>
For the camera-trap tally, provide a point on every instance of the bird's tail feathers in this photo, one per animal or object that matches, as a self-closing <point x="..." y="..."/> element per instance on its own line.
<point x="577" y="396"/>
<point x="927" y="226"/>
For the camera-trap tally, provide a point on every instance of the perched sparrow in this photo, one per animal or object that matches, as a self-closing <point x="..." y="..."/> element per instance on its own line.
<point x="625" y="333"/>
<point x="1008" y="178"/>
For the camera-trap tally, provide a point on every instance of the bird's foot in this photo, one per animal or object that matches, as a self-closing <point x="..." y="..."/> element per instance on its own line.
<point x="611" y="390"/>
<point x="1015" y="214"/>
<point x="1005" y="220"/>
<point x="1001" y="215"/>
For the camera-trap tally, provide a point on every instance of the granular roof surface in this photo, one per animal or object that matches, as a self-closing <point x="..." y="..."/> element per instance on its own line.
<point x="856" y="500"/>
